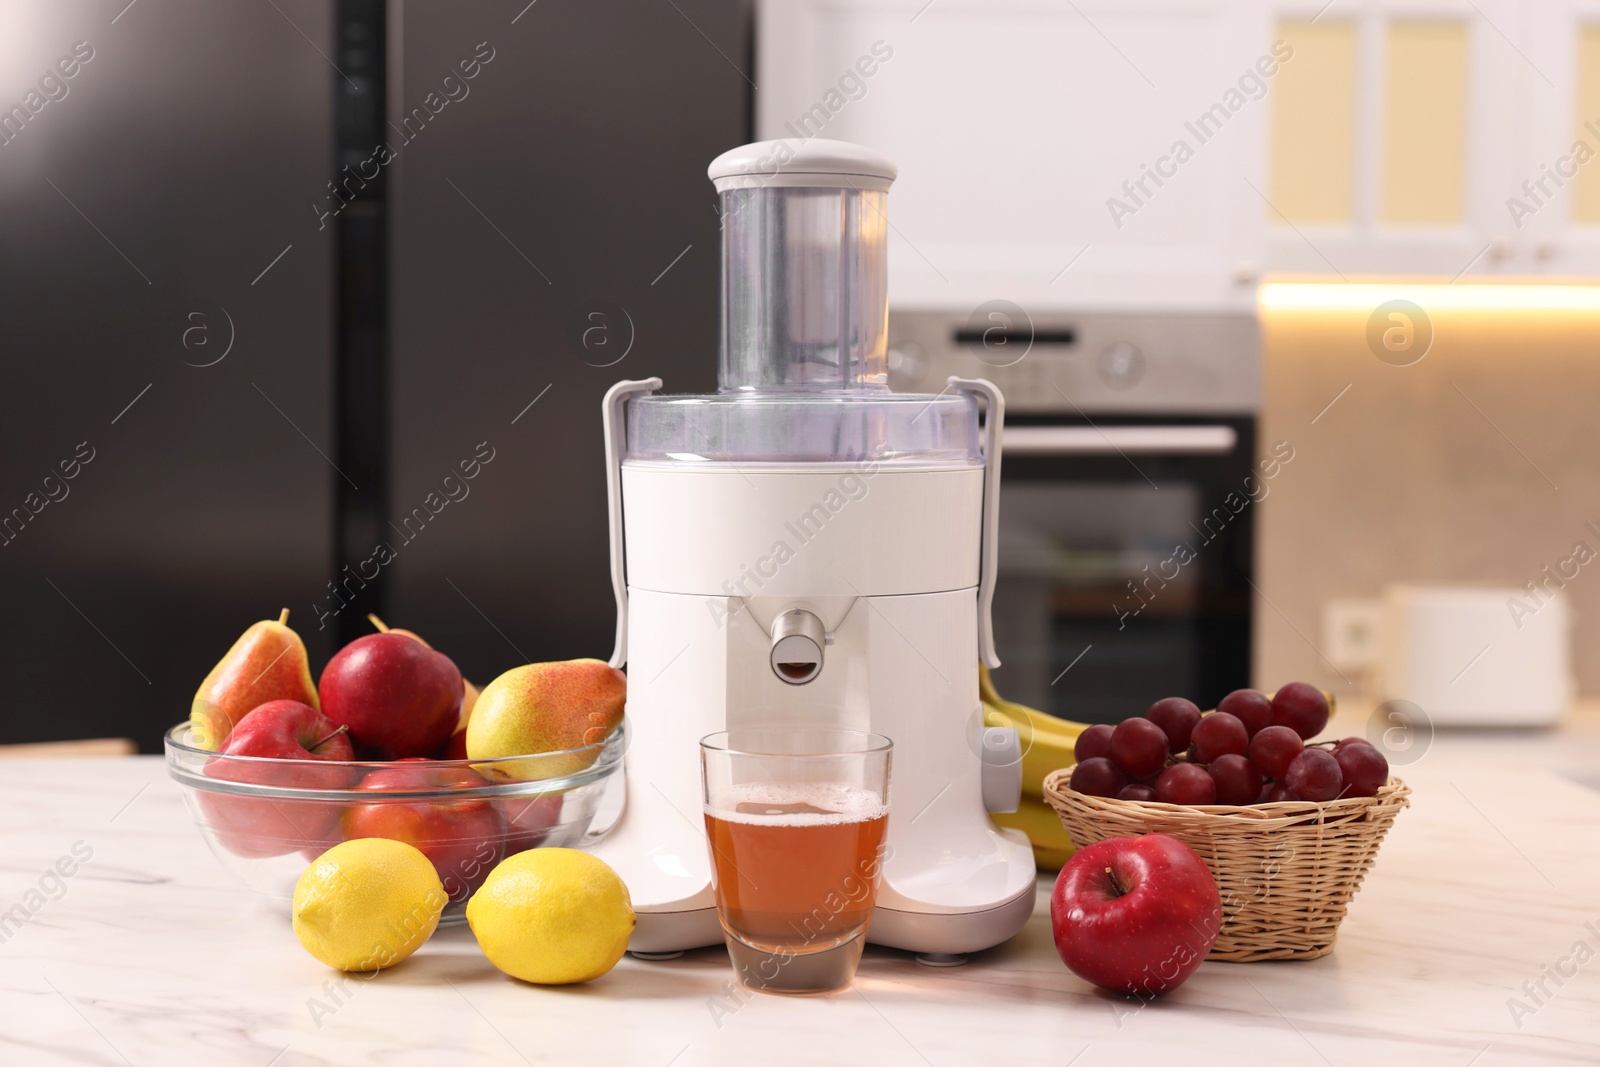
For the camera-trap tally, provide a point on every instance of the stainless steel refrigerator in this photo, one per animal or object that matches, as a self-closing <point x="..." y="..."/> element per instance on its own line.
<point x="316" y="302"/>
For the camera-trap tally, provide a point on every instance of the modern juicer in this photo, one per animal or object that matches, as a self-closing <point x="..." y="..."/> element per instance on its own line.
<point x="806" y="546"/>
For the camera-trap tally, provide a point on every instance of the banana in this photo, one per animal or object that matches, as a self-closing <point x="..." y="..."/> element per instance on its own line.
<point x="1025" y="719"/>
<point x="1051" y="845"/>
<point x="1043" y="749"/>
<point x="1047" y="744"/>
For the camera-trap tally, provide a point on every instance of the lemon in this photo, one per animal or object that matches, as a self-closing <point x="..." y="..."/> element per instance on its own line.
<point x="367" y="904"/>
<point x="552" y="916"/>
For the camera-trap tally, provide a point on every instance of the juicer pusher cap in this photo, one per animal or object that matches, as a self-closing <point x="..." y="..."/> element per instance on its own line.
<point x="793" y="163"/>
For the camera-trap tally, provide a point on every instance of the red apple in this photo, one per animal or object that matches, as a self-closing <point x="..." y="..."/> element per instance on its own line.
<point x="289" y="745"/>
<point x="464" y="839"/>
<point x="529" y="820"/>
<point x="1135" y="914"/>
<point x="399" y="697"/>
<point x="455" y="748"/>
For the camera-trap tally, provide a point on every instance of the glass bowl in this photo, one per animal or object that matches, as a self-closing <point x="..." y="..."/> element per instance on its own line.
<point x="267" y="819"/>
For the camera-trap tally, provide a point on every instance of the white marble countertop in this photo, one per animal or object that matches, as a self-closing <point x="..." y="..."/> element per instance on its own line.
<point x="152" y="955"/>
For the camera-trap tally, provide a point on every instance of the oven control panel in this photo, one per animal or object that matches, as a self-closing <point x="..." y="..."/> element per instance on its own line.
<point x="1180" y="364"/>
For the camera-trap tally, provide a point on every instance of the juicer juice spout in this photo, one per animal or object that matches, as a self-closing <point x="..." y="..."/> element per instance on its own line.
<point x="798" y="640"/>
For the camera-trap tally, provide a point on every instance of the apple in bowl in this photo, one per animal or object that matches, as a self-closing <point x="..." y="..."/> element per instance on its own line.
<point x="285" y="744"/>
<point x="398" y="697"/>
<point x="529" y="820"/>
<point x="463" y="838"/>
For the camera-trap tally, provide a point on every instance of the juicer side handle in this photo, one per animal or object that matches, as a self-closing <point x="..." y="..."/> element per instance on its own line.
<point x="615" y="423"/>
<point x="993" y="425"/>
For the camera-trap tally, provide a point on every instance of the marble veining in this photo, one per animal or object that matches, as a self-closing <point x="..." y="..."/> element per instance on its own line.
<point x="150" y="954"/>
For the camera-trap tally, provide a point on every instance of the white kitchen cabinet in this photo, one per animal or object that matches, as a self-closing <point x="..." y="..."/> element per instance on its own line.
<point x="1559" y="207"/>
<point x="1432" y="143"/>
<point x="1039" y="141"/>
<point x="1531" y="79"/>
<point x="1098" y="154"/>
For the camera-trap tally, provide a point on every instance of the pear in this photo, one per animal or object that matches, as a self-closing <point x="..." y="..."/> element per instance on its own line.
<point x="469" y="692"/>
<point x="268" y="662"/>
<point x="548" y="707"/>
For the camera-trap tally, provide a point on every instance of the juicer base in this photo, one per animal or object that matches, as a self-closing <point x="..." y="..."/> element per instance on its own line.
<point x="944" y="933"/>
<point x="942" y="959"/>
<point x="659" y="932"/>
<point x="926" y="933"/>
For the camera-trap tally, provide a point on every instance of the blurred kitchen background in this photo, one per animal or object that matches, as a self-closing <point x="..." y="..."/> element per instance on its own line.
<point x="1293" y="305"/>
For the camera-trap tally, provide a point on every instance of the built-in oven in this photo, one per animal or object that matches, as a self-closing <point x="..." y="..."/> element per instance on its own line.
<point x="1130" y="478"/>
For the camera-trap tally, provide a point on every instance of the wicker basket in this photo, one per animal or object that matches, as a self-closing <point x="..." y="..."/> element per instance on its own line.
<point x="1286" y="871"/>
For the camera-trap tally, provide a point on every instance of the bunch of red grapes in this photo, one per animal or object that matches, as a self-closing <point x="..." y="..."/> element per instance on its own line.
<point x="1251" y="750"/>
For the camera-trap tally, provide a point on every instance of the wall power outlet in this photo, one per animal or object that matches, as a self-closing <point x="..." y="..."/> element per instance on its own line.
<point x="1352" y="633"/>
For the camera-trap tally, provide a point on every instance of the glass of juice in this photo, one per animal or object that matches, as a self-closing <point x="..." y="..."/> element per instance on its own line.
<point x="795" y="820"/>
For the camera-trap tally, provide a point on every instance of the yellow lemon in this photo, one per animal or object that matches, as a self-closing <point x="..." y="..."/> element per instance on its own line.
<point x="552" y="916"/>
<point x="367" y="904"/>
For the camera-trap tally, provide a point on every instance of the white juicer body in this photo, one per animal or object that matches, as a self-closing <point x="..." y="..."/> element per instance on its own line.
<point x="890" y="560"/>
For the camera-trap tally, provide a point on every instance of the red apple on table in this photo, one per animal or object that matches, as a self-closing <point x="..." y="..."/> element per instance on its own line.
<point x="1135" y="914"/>
<point x="399" y="697"/>
<point x="464" y="838"/>
<point x="289" y="745"/>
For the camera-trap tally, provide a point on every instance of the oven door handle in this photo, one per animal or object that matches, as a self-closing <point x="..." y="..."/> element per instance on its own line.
<point x="1142" y="440"/>
<point x="994" y="421"/>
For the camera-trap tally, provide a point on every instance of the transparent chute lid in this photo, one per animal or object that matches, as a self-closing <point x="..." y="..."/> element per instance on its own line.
<point x="803" y="364"/>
